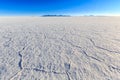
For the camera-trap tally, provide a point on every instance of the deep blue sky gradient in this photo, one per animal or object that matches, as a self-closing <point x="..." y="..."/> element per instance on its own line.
<point x="72" y="7"/>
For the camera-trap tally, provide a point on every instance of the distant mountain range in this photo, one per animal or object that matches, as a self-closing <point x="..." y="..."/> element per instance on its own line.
<point x="55" y="15"/>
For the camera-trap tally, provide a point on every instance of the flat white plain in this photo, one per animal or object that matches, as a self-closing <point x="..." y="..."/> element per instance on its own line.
<point x="64" y="48"/>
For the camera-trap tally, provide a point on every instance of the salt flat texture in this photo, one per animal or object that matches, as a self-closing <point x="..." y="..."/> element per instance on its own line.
<point x="63" y="48"/>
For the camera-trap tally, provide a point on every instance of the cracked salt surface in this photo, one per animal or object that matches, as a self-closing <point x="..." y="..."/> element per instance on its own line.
<point x="66" y="48"/>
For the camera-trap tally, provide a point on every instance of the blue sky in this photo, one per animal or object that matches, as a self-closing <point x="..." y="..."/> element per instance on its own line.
<point x="70" y="7"/>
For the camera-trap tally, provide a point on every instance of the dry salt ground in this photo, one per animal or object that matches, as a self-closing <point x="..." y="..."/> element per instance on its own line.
<point x="59" y="48"/>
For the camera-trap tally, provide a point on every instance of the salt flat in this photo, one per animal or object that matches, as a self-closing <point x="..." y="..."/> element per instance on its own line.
<point x="59" y="48"/>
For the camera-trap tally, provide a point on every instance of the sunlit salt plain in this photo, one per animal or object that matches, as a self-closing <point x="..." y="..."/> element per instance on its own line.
<point x="59" y="48"/>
